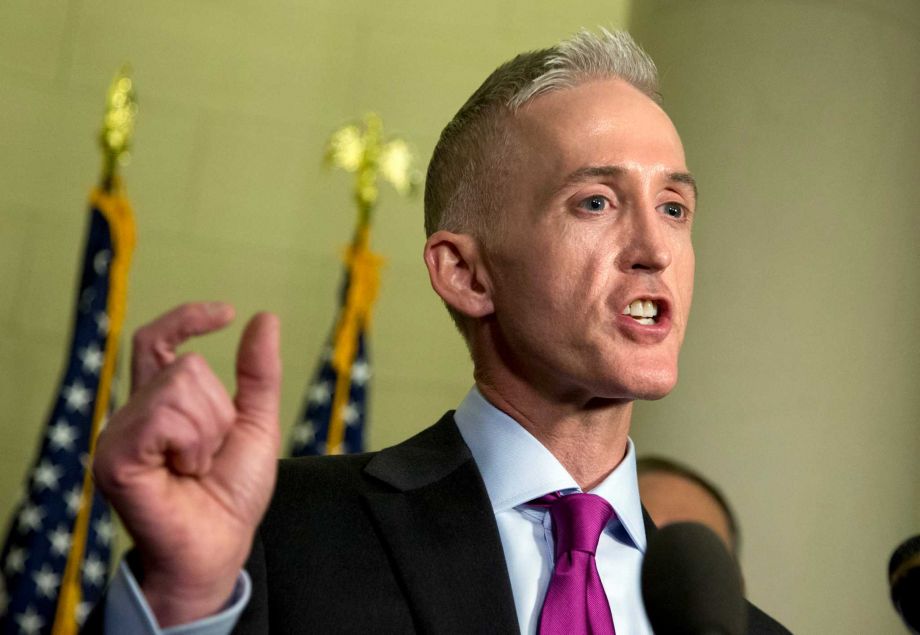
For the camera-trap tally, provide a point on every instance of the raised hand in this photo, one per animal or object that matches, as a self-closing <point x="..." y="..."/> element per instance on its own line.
<point x="189" y="470"/>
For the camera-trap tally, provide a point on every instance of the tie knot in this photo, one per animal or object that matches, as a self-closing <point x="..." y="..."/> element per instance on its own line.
<point x="578" y="520"/>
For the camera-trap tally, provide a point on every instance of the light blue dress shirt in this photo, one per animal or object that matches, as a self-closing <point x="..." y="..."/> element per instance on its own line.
<point x="127" y="611"/>
<point x="516" y="468"/>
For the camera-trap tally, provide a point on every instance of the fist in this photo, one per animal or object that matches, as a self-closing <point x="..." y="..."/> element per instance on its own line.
<point x="189" y="469"/>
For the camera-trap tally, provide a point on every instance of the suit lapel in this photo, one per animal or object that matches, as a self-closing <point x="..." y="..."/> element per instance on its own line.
<point x="438" y="525"/>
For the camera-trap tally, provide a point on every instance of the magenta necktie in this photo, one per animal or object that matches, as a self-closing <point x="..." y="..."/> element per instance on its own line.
<point x="576" y="603"/>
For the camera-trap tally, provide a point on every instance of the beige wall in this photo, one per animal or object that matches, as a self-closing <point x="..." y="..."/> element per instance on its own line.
<point x="237" y="101"/>
<point x="799" y="379"/>
<point x="796" y="391"/>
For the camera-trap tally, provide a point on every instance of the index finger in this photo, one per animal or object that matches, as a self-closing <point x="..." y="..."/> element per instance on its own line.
<point x="155" y="343"/>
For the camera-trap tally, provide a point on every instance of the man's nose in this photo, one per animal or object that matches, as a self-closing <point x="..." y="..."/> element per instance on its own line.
<point x="646" y="247"/>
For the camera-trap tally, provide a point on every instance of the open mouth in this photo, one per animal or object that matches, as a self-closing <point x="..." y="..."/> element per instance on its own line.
<point x="642" y="311"/>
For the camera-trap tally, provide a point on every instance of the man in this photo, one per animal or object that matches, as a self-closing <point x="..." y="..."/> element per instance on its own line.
<point x="558" y="210"/>
<point x="672" y="493"/>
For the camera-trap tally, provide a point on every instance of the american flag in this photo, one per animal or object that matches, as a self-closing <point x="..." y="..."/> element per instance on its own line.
<point x="311" y="433"/>
<point x="335" y="408"/>
<point x="59" y="540"/>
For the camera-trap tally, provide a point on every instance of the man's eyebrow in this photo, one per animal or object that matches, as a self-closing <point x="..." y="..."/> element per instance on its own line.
<point x="593" y="172"/>
<point x="684" y="177"/>
<point x="607" y="171"/>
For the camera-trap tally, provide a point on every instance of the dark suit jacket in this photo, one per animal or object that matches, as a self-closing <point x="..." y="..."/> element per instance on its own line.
<point x="400" y="541"/>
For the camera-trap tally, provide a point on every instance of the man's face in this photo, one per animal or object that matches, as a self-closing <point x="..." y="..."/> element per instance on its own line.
<point x="597" y="215"/>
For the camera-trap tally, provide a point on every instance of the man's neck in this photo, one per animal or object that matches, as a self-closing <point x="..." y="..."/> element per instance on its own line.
<point x="589" y="439"/>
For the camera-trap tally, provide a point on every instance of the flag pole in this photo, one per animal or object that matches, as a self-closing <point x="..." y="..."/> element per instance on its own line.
<point x="364" y="151"/>
<point x="115" y="139"/>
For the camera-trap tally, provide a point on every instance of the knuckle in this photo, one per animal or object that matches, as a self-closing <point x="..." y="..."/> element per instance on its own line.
<point x="141" y="338"/>
<point x="176" y="391"/>
<point x="176" y="381"/>
<point x="192" y="364"/>
<point x="110" y="473"/>
<point x="115" y="476"/>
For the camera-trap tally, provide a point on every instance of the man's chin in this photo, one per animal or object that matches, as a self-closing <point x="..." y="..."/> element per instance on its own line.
<point x="653" y="387"/>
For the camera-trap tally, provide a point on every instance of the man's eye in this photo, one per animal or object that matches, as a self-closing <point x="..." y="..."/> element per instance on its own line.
<point x="594" y="204"/>
<point x="674" y="210"/>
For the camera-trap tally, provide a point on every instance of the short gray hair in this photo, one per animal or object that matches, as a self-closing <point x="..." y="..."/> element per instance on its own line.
<point x="472" y="142"/>
<point x="469" y="163"/>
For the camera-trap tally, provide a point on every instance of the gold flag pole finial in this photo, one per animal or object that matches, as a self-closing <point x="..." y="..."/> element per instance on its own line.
<point x="364" y="151"/>
<point x="117" y="125"/>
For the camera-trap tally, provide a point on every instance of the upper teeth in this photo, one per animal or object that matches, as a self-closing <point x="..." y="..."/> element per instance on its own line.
<point x="642" y="309"/>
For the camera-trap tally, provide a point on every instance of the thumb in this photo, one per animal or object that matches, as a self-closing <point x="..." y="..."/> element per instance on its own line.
<point x="258" y="370"/>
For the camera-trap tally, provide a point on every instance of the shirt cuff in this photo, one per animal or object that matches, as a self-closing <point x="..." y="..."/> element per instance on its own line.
<point x="127" y="612"/>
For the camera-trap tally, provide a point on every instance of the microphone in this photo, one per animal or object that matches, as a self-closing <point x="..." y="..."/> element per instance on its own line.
<point x="904" y="578"/>
<point x="690" y="583"/>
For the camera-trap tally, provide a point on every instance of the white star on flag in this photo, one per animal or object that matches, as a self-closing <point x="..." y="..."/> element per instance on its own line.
<point x="15" y="561"/>
<point x="60" y="540"/>
<point x="351" y="414"/>
<point x="77" y="396"/>
<point x="30" y="623"/>
<point x="62" y="435"/>
<point x="102" y="323"/>
<point x="360" y="372"/>
<point x="83" y="609"/>
<point x="46" y="476"/>
<point x="73" y="498"/>
<point x="304" y="433"/>
<point x="104" y="530"/>
<point x="319" y="393"/>
<point x="101" y="261"/>
<point x="86" y="299"/>
<point x="46" y="581"/>
<point x="91" y="357"/>
<point x="94" y="571"/>
<point x="30" y="518"/>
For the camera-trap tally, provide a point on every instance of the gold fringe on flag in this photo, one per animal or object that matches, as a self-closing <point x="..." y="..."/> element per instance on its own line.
<point x="117" y="211"/>
<point x="363" y="280"/>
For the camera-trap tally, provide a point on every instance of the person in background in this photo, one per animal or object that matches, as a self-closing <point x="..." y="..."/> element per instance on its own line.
<point x="672" y="492"/>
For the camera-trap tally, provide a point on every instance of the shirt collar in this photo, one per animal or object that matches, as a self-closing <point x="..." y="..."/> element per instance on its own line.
<point x="517" y="468"/>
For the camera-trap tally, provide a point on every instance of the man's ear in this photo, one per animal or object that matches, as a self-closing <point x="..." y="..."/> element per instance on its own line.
<point x="458" y="273"/>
